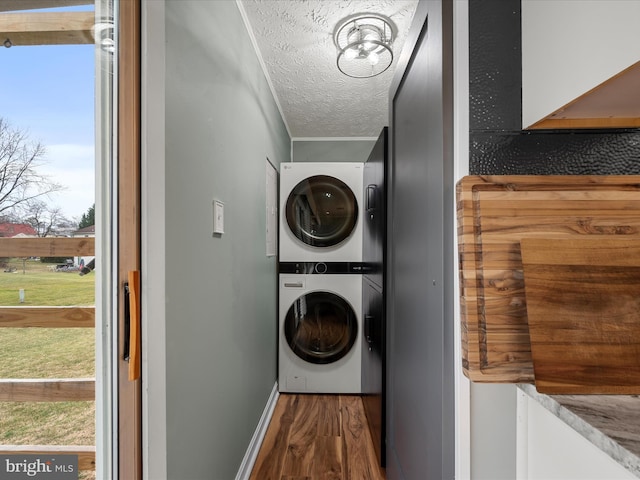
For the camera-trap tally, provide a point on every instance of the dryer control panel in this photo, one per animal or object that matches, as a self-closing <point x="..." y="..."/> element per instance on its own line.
<point x="321" y="268"/>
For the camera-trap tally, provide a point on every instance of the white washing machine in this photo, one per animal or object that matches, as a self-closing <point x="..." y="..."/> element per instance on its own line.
<point x="319" y="333"/>
<point x="321" y="212"/>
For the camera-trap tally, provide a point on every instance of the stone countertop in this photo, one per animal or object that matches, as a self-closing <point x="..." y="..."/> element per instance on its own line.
<point x="610" y="422"/>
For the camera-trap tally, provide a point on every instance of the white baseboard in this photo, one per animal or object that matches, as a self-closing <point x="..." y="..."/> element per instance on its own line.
<point x="258" y="436"/>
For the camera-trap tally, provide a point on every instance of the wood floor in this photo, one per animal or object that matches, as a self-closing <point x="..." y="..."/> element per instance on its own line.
<point x="317" y="437"/>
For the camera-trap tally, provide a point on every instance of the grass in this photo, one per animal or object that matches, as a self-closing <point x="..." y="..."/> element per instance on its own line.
<point x="47" y="353"/>
<point x="47" y="423"/>
<point x="43" y="287"/>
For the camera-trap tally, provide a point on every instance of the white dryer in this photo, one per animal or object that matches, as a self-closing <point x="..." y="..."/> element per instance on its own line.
<point x="319" y="333"/>
<point x="321" y="212"/>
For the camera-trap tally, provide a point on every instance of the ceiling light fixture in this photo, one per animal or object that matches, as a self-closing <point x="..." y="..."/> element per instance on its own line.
<point x="364" y="44"/>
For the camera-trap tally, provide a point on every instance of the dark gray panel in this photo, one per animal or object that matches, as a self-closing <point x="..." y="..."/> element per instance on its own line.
<point x="557" y="153"/>
<point x="494" y="65"/>
<point x="421" y="427"/>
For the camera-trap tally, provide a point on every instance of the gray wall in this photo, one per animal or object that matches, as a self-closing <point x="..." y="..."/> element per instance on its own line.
<point x="332" y="150"/>
<point x="221" y="123"/>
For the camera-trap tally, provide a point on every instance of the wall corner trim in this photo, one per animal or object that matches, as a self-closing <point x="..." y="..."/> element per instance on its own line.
<point x="258" y="436"/>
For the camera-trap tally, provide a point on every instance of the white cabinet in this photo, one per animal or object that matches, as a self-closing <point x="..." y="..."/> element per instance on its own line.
<point x="569" y="47"/>
<point x="549" y="449"/>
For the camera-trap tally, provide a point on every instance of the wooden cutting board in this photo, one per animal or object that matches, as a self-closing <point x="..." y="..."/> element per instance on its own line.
<point x="494" y="214"/>
<point x="583" y="309"/>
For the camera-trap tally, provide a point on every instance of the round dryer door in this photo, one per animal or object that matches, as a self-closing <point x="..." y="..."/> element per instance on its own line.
<point x="321" y="211"/>
<point x="320" y="327"/>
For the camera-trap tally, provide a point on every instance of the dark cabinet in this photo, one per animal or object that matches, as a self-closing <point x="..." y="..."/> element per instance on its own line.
<point x="373" y="304"/>
<point x="373" y="364"/>
<point x="375" y="199"/>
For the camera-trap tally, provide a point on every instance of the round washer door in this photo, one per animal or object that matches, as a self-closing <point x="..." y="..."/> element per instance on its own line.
<point x="321" y="211"/>
<point x="320" y="327"/>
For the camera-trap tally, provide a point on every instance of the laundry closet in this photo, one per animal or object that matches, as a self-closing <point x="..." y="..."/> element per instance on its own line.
<point x="331" y="332"/>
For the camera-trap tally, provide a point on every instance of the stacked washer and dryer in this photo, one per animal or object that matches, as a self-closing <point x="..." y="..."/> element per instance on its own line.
<point x="320" y="286"/>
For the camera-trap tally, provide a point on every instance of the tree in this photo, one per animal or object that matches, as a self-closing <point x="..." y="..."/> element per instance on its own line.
<point x="20" y="183"/>
<point x="44" y="219"/>
<point x="88" y="218"/>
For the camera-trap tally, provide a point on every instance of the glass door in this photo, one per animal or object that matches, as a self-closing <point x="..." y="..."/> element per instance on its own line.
<point x="321" y="211"/>
<point x="69" y="139"/>
<point x="320" y="327"/>
<point x="47" y="224"/>
<point x="105" y="69"/>
<point x="118" y="233"/>
<point x="118" y="393"/>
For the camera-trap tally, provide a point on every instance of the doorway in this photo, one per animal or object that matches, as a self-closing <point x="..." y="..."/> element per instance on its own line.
<point x="103" y="167"/>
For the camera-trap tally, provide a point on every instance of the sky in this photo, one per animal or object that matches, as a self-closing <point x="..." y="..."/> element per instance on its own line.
<point x="48" y="91"/>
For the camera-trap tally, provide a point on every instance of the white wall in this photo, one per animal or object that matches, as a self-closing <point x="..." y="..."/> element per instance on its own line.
<point x="493" y="432"/>
<point x="154" y="423"/>
<point x="461" y="168"/>
<point x="570" y="47"/>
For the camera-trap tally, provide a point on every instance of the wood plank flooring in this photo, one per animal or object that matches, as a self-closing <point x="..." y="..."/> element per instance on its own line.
<point x="317" y="437"/>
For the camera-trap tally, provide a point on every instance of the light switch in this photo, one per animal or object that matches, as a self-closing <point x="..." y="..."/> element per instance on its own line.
<point x="218" y="217"/>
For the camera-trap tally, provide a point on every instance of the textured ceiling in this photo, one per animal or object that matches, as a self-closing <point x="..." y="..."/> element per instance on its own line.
<point x="295" y="38"/>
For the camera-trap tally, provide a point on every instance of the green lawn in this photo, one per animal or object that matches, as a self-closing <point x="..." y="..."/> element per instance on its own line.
<point x="43" y="287"/>
<point x="46" y="353"/>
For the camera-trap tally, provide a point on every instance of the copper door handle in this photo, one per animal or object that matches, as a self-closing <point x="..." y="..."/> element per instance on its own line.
<point x="132" y="324"/>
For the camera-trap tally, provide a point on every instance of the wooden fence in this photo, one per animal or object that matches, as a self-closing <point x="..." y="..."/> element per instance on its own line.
<point x="49" y="389"/>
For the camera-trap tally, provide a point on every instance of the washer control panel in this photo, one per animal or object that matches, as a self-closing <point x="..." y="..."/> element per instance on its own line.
<point x="322" y="268"/>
